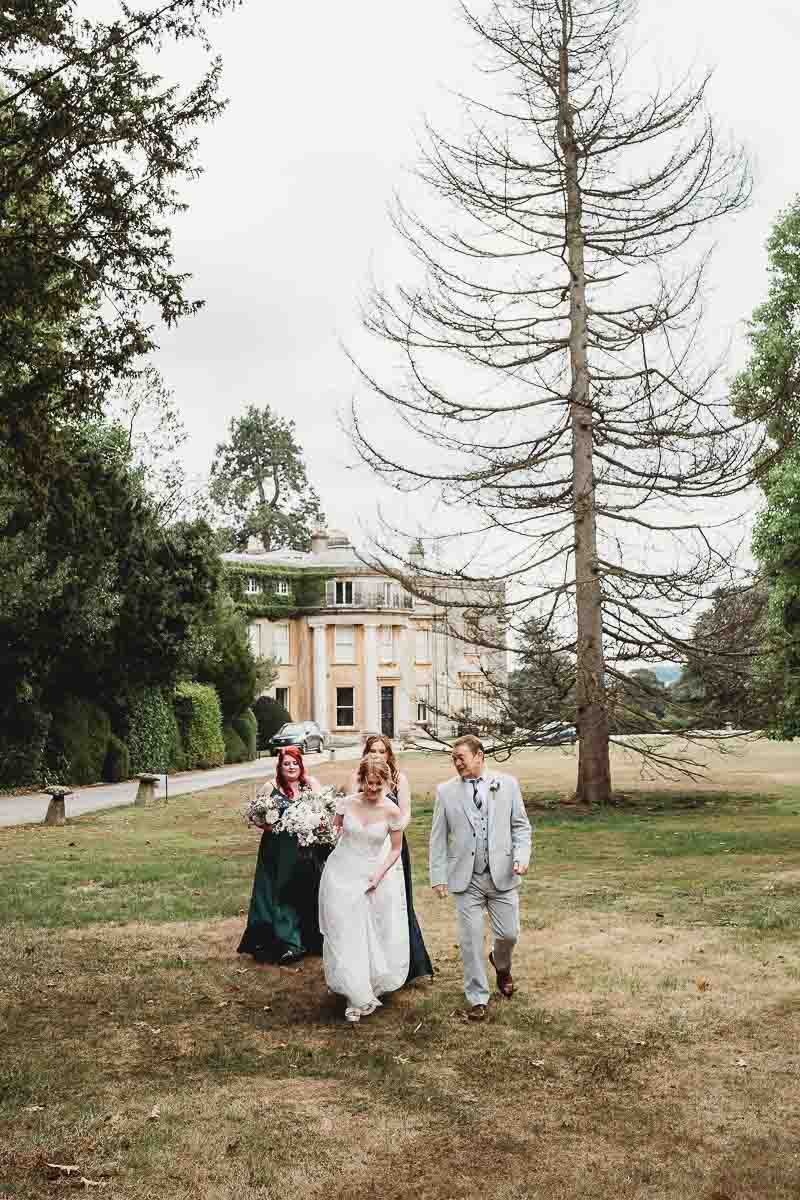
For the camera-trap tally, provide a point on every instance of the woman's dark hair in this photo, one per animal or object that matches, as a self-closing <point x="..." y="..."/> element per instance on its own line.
<point x="390" y="758"/>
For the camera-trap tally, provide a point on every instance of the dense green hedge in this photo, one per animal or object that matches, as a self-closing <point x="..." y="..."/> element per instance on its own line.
<point x="78" y="741"/>
<point x="200" y="722"/>
<point x="117" y="765"/>
<point x="235" y="749"/>
<point x="154" y="740"/>
<point x="270" y="716"/>
<point x="246" y="726"/>
<point x="23" y="738"/>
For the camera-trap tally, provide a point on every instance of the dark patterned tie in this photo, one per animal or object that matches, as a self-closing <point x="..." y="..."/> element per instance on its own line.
<point x="476" y="798"/>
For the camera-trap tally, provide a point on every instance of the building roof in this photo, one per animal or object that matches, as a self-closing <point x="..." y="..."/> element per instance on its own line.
<point x="329" y="551"/>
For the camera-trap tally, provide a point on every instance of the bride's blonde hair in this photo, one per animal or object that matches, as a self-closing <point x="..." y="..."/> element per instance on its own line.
<point x="373" y="764"/>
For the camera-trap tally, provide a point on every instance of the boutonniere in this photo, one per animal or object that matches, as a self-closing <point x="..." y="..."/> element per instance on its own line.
<point x="494" y="785"/>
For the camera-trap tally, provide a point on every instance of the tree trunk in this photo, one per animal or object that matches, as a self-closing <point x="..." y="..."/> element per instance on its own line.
<point x="594" y="770"/>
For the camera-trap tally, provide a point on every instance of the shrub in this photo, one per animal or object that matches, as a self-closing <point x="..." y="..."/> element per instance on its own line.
<point x="200" y="722"/>
<point x="153" y="739"/>
<point x="78" y="740"/>
<point x="246" y="726"/>
<point x="270" y="716"/>
<point x="23" y="737"/>
<point x="235" y="749"/>
<point x="117" y="765"/>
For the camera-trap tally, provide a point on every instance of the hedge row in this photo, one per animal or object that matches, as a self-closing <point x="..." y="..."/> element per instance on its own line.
<point x="76" y="745"/>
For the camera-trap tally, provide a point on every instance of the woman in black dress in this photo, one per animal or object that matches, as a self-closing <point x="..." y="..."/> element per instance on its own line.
<point x="283" y="922"/>
<point x="419" y="960"/>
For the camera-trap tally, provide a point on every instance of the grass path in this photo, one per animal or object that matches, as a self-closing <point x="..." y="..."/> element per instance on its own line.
<point x="651" y="1051"/>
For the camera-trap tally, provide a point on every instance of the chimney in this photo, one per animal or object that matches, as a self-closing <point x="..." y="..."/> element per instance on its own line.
<point x="319" y="541"/>
<point x="416" y="555"/>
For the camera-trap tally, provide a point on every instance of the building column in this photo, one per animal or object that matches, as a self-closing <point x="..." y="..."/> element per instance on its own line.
<point x="372" y="711"/>
<point x="406" y="655"/>
<point x="321" y="676"/>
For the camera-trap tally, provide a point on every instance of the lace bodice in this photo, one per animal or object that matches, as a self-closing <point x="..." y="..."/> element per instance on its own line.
<point x="367" y="838"/>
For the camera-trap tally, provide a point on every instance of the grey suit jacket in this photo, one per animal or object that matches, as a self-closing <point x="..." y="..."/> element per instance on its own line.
<point x="452" y="846"/>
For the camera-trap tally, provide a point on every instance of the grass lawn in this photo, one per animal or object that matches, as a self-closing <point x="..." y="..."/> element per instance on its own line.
<point x="651" y="1050"/>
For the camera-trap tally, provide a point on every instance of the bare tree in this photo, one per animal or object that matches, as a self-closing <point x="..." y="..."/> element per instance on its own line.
<point x="552" y="346"/>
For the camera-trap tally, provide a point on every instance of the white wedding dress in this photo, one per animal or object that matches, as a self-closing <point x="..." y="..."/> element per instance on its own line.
<point x="365" y="948"/>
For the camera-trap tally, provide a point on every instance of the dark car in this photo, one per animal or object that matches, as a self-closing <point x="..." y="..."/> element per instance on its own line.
<point x="306" y="735"/>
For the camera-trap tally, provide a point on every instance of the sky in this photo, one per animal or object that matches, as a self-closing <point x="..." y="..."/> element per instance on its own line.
<point x="290" y="216"/>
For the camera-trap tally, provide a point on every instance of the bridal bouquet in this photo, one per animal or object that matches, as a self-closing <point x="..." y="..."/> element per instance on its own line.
<point x="309" y="818"/>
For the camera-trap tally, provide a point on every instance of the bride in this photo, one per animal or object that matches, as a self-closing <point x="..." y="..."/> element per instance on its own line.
<point x="362" y="899"/>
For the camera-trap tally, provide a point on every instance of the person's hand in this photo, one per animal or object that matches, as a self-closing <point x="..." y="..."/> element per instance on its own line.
<point x="519" y="869"/>
<point x="373" y="882"/>
<point x="441" y="890"/>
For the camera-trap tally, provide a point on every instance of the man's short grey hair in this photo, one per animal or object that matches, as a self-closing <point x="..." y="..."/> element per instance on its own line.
<point x="473" y="744"/>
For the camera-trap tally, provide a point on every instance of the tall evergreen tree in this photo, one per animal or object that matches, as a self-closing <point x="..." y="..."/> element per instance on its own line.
<point x="260" y="485"/>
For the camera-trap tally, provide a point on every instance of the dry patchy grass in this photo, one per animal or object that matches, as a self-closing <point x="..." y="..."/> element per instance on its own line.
<point x="650" y="1052"/>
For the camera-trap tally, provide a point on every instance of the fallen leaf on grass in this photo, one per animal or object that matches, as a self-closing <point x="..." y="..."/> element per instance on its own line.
<point x="703" y="985"/>
<point x="326" y="1125"/>
<point x="155" y="1113"/>
<point x="34" y="1108"/>
<point x="398" y="1058"/>
<point x="741" y="1062"/>
<point x="90" y="1183"/>
<point x="232" y="1147"/>
<point x="536" y="1062"/>
<point x="65" y="1169"/>
<point x="242" y="970"/>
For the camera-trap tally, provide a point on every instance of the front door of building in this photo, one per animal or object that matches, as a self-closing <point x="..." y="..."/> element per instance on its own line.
<point x="387" y="711"/>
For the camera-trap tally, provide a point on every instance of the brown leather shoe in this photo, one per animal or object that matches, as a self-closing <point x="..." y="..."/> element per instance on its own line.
<point x="477" y="1012"/>
<point x="505" y="981"/>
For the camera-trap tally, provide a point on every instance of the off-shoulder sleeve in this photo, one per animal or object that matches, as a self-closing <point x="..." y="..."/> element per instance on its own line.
<point x="342" y="804"/>
<point x="396" y="821"/>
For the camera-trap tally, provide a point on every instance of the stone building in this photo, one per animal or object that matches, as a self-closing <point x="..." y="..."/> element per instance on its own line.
<point x="359" y="653"/>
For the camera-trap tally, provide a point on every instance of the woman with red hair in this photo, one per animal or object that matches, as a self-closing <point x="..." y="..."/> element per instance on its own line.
<point x="282" y="924"/>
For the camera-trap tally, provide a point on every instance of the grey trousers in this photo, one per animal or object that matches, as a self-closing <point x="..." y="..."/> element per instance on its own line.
<point x="503" y="908"/>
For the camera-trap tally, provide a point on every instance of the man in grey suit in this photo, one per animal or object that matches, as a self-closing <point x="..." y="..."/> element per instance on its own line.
<point x="480" y="846"/>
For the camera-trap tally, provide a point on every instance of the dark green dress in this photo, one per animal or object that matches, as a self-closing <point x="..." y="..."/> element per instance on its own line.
<point x="283" y="916"/>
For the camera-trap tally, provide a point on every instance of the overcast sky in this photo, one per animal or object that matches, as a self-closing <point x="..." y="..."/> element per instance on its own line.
<point x="291" y="213"/>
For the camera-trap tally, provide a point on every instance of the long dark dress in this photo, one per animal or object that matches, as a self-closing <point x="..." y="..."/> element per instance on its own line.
<point x="283" y="916"/>
<point x="419" y="962"/>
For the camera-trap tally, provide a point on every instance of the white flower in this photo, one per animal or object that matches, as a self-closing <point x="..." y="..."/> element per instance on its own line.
<point x="494" y="785"/>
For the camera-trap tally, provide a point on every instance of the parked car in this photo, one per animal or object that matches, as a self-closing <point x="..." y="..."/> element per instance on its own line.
<point x="307" y="735"/>
<point x="555" y="733"/>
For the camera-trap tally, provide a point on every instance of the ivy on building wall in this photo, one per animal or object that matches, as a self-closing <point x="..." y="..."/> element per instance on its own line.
<point x="306" y="590"/>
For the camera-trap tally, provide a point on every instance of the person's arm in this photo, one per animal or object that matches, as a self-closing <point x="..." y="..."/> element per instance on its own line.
<point x="396" y="839"/>
<point x="438" y="847"/>
<point x="520" y="832"/>
<point x="404" y="798"/>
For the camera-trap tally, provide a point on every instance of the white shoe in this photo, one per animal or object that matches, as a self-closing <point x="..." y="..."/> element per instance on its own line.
<point x="352" y="1014"/>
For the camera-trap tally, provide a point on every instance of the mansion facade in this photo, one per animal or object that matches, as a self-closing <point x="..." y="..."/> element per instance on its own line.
<point x="358" y="653"/>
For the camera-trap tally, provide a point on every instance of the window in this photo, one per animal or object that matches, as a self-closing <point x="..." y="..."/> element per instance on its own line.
<point x="282" y="587"/>
<point x="345" y="643"/>
<point x="252" y="586"/>
<point x="386" y="643"/>
<point x="345" y="708"/>
<point x="344" y="591"/>
<point x="422" y="712"/>
<point x="282" y="697"/>
<point x="423" y="645"/>
<point x="280" y="642"/>
<point x="254" y="635"/>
